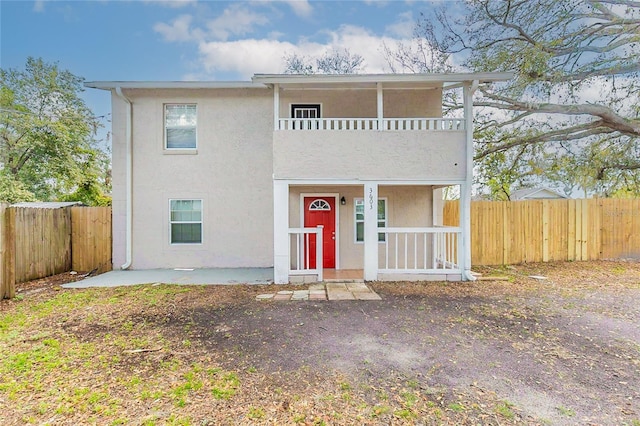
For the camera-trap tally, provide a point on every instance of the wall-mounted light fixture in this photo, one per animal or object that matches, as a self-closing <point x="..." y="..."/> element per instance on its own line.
<point x="343" y="201"/>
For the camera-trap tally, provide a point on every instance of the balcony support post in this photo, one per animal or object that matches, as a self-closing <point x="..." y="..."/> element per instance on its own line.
<point x="276" y="106"/>
<point x="281" y="232"/>
<point x="380" y="106"/>
<point x="465" y="189"/>
<point x="371" y="231"/>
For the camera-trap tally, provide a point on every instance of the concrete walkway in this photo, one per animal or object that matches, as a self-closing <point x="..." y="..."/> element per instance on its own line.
<point x="174" y="276"/>
<point x="328" y="291"/>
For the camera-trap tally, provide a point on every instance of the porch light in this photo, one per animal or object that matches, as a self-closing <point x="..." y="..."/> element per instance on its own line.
<point x="343" y="201"/>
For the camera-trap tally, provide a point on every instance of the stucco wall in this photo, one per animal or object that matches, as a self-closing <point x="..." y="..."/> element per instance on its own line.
<point x="369" y="154"/>
<point x="407" y="206"/>
<point x="363" y="103"/>
<point x="231" y="172"/>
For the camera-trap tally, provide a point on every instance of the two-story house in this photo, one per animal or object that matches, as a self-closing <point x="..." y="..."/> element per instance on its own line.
<point x="304" y="173"/>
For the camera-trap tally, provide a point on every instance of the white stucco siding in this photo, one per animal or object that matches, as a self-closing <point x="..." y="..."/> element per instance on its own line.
<point x="118" y="177"/>
<point x="407" y="206"/>
<point x="231" y="172"/>
<point x="356" y="103"/>
<point x="369" y="154"/>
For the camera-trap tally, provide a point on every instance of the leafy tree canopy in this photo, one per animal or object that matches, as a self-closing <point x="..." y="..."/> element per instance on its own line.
<point x="571" y="115"/>
<point x="47" y="134"/>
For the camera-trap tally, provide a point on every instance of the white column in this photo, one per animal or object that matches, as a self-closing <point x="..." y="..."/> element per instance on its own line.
<point x="371" y="231"/>
<point x="380" y="106"/>
<point x="280" y="232"/>
<point x="276" y="106"/>
<point x="438" y="206"/>
<point x="465" y="190"/>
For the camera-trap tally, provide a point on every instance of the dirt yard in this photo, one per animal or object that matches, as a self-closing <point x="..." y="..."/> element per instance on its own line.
<point x="561" y="351"/>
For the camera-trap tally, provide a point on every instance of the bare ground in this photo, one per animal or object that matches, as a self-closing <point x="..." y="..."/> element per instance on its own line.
<point x="565" y="350"/>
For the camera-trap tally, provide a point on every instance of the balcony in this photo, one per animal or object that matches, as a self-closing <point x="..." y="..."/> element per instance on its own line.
<point x="424" y="124"/>
<point x="370" y="148"/>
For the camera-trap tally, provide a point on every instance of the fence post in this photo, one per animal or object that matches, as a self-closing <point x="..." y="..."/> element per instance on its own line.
<point x="9" y="245"/>
<point x="545" y="230"/>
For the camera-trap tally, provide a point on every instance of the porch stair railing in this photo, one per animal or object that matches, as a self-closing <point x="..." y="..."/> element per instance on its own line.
<point x="423" y="124"/>
<point x="428" y="250"/>
<point x="300" y="251"/>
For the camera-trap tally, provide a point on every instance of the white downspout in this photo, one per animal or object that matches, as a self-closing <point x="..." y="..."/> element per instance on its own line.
<point x="128" y="180"/>
<point x="468" y="113"/>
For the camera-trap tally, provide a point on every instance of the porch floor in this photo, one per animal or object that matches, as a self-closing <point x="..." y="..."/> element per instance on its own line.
<point x="343" y="275"/>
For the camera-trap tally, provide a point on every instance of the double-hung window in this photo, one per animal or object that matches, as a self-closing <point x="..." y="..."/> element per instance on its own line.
<point x="180" y="124"/>
<point x="359" y="218"/>
<point x="185" y="221"/>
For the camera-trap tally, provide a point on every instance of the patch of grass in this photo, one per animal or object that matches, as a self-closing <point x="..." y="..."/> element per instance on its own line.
<point x="413" y="384"/>
<point x="345" y="386"/>
<point x="456" y="407"/>
<point x="405" y="414"/>
<point x="225" y="387"/>
<point x="256" y="413"/>
<point x="504" y="408"/>
<point x="565" y="411"/>
<point x="409" y="399"/>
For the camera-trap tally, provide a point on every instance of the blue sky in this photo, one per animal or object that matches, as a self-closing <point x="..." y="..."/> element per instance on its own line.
<point x="195" y="40"/>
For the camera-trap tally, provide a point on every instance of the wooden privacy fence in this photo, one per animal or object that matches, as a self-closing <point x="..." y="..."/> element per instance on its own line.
<point x="510" y="232"/>
<point x="39" y="242"/>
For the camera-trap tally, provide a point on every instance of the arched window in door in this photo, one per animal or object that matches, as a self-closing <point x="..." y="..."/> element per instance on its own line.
<point x="319" y="205"/>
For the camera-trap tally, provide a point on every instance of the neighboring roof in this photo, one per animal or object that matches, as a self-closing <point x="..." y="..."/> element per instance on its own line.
<point x="261" y="81"/>
<point x="109" y="85"/>
<point x="47" y="204"/>
<point x="533" y="193"/>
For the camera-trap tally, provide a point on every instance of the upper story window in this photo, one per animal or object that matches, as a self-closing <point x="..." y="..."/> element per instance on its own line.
<point x="180" y="123"/>
<point x="305" y="116"/>
<point x="305" y="111"/>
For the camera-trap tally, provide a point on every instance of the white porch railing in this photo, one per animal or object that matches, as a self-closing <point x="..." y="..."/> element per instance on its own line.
<point x="421" y="250"/>
<point x="300" y="251"/>
<point x="449" y="124"/>
<point x="423" y="124"/>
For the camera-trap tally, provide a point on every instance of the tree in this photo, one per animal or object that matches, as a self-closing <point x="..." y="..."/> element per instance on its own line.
<point x="46" y="135"/>
<point x="331" y="62"/>
<point x="571" y="115"/>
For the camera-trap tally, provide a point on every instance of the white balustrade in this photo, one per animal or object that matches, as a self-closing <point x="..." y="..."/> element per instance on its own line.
<point x="300" y="252"/>
<point x="423" y="124"/>
<point x="421" y="250"/>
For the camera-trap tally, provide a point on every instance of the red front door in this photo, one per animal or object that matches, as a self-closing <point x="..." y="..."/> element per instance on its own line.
<point x="321" y="211"/>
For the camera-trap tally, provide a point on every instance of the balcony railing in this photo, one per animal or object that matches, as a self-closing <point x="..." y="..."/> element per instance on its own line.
<point x="421" y="250"/>
<point x="423" y="124"/>
<point x="301" y="251"/>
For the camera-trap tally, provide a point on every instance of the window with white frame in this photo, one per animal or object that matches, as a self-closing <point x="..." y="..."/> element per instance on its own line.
<point x="359" y="218"/>
<point x="185" y="221"/>
<point x="180" y="123"/>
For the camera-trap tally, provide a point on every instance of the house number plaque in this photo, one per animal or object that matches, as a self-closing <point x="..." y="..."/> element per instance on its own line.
<point x="370" y="198"/>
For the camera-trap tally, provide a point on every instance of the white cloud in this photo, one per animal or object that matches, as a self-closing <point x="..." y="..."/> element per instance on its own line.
<point x="301" y="8"/>
<point x="175" y="4"/>
<point x="178" y="30"/>
<point x="235" y="20"/>
<point x="403" y="26"/>
<point x="38" y="6"/>
<point x="249" y="56"/>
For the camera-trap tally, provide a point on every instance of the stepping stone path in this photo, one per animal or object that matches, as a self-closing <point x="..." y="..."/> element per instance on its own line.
<point x="328" y="291"/>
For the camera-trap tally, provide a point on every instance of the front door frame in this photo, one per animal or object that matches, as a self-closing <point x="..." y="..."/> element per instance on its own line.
<point x="336" y="197"/>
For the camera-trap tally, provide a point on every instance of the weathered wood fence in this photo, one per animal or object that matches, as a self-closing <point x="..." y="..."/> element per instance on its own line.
<point x="510" y="232"/>
<point x="39" y="242"/>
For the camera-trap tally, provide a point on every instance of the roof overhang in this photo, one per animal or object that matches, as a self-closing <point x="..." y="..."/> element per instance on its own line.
<point x="110" y="85"/>
<point x="370" y="81"/>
